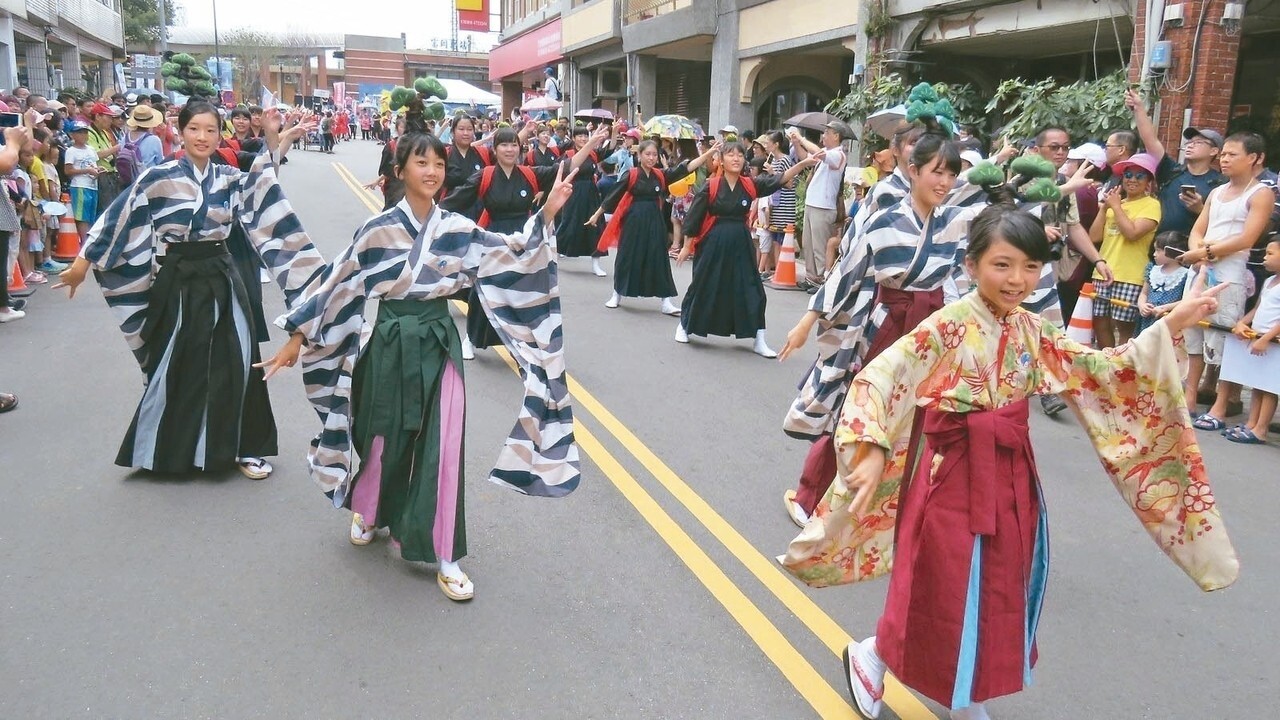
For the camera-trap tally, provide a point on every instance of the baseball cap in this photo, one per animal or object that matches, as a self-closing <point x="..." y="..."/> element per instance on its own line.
<point x="1089" y="152"/>
<point x="973" y="157"/>
<point x="79" y="126"/>
<point x="842" y="129"/>
<point x="633" y="133"/>
<point x="100" y="109"/>
<point x="729" y="130"/>
<point x="1212" y="136"/>
<point x="55" y="105"/>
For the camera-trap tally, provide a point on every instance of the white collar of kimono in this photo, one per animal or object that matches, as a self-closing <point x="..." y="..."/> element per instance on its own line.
<point x="403" y="206"/>
<point x="199" y="172"/>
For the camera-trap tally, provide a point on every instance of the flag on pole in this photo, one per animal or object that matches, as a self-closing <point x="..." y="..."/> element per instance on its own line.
<point x="268" y="98"/>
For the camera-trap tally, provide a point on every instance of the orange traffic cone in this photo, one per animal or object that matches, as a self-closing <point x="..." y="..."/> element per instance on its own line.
<point x="17" y="284"/>
<point x="784" y="276"/>
<point x="67" y="247"/>
<point x="1080" y="327"/>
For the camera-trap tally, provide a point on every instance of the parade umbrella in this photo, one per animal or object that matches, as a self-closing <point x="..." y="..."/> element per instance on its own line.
<point x="884" y="122"/>
<point x="812" y="120"/>
<point x="541" y="103"/>
<point x="677" y="127"/>
<point x="594" y="113"/>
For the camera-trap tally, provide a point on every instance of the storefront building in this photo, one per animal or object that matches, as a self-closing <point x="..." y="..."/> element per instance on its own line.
<point x="50" y="44"/>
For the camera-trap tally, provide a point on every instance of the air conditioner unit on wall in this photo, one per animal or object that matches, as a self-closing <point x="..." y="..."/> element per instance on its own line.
<point x="611" y="82"/>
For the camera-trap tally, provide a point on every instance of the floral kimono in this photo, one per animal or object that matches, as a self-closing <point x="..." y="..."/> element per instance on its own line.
<point x="961" y="494"/>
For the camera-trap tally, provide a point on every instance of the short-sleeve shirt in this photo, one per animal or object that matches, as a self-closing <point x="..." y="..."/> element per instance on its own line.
<point x="1170" y="177"/>
<point x="1127" y="258"/>
<point x="81" y="158"/>
<point x="824" y="186"/>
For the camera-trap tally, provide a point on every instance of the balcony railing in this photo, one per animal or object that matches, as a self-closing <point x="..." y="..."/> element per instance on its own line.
<point x="95" y="18"/>
<point x="637" y="10"/>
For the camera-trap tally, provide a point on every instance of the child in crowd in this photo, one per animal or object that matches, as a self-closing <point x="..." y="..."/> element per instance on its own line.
<point x="1264" y="321"/>
<point x="82" y="167"/>
<point x="1164" y="280"/>
<point x="762" y="212"/>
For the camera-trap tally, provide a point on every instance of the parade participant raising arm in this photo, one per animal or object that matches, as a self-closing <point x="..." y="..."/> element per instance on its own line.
<point x="639" y="229"/>
<point x="390" y="387"/>
<point x="726" y="296"/>
<point x="937" y="480"/>
<point x="160" y="254"/>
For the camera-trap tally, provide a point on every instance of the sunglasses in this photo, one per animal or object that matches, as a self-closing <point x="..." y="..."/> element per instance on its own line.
<point x="1136" y="175"/>
<point x="1057" y="148"/>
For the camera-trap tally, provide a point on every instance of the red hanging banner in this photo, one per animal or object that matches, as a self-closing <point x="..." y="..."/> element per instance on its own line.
<point x="473" y="15"/>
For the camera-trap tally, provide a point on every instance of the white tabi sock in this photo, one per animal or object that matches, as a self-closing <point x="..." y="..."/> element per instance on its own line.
<point x="976" y="711"/>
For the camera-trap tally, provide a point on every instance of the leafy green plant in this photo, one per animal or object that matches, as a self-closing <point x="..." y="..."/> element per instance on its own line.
<point x="183" y="75"/>
<point x="892" y="89"/>
<point x="1085" y="109"/>
<point x="879" y="20"/>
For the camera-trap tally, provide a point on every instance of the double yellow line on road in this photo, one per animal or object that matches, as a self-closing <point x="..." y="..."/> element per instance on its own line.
<point x="821" y="696"/>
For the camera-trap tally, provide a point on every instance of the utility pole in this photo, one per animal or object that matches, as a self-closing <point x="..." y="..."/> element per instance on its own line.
<point x="164" y="27"/>
<point x="217" y="52"/>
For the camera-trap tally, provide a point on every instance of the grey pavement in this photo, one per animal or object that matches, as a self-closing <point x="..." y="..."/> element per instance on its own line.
<point x="128" y="596"/>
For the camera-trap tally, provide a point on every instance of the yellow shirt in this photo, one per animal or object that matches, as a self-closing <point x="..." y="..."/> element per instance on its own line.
<point x="1128" y="258"/>
<point x="37" y="179"/>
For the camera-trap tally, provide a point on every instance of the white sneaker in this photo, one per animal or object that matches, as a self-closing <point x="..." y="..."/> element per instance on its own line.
<point x="613" y="301"/>
<point x="9" y="315"/>
<point x="681" y="335"/>
<point x="595" y="268"/>
<point x="975" y="711"/>
<point x="865" y="672"/>
<point x="468" y="350"/>
<point x="669" y="307"/>
<point x="762" y="348"/>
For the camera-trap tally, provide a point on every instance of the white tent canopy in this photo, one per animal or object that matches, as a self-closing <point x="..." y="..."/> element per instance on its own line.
<point x="464" y="93"/>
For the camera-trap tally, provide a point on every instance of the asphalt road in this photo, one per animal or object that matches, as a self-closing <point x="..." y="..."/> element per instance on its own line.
<point x="648" y="593"/>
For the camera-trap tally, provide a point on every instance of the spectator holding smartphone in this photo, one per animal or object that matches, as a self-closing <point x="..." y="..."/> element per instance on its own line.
<point x="1182" y="187"/>
<point x="1235" y="216"/>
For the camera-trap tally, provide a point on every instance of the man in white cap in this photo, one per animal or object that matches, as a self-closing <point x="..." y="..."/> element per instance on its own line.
<point x="729" y="133"/>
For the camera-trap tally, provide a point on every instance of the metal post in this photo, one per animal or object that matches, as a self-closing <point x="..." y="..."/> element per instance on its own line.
<point x="164" y="27"/>
<point x="217" y="52"/>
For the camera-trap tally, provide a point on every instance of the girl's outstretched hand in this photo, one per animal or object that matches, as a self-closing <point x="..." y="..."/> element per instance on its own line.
<point x="1200" y="303"/>
<point x="559" y="193"/>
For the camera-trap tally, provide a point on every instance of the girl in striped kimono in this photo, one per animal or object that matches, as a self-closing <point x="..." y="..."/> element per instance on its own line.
<point x="892" y="278"/>
<point x="161" y="255"/>
<point x="938" y="485"/>
<point x="390" y="388"/>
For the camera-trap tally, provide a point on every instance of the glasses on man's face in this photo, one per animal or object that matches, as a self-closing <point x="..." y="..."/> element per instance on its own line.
<point x="1197" y="141"/>
<point x="1135" y="175"/>
<point x="1055" y="147"/>
<point x="1114" y="146"/>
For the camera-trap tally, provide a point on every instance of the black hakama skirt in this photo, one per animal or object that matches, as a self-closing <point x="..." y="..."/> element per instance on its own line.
<point x="574" y="238"/>
<point x="726" y="296"/>
<point x="199" y="410"/>
<point x="479" y="330"/>
<point x="642" y="268"/>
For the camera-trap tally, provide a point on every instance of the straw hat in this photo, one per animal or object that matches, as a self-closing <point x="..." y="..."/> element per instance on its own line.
<point x="144" y="117"/>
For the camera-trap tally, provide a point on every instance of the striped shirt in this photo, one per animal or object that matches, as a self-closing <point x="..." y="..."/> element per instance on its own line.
<point x="782" y="210"/>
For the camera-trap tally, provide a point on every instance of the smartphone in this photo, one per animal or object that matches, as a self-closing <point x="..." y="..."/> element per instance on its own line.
<point x="1189" y="190"/>
<point x="1173" y="253"/>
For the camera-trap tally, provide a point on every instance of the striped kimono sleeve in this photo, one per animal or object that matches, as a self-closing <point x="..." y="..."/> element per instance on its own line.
<point x="844" y="306"/>
<point x="275" y="231"/>
<point x="518" y="286"/>
<point x="120" y="248"/>
<point x="329" y="314"/>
